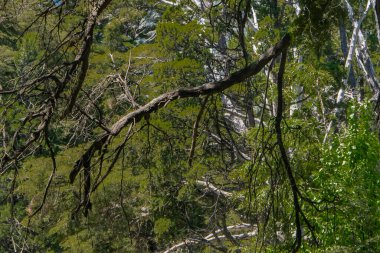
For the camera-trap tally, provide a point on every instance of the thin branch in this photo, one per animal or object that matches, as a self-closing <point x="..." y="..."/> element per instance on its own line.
<point x="284" y="156"/>
<point x="54" y="165"/>
<point x="195" y="131"/>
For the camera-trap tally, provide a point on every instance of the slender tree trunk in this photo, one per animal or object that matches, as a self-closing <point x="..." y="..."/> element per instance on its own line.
<point x="351" y="82"/>
<point x="376" y="5"/>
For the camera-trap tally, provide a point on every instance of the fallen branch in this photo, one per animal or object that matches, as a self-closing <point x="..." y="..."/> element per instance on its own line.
<point x="230" y="228"/>
<point x="214" y="236"/>
<point x="209" y="187"/>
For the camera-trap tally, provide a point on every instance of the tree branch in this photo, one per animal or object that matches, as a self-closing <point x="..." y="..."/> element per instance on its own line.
<point x="166" y="98"/>
<point x="284" y="156"/>
<point x="195" y="131"/>
<point x="84" y="54"/>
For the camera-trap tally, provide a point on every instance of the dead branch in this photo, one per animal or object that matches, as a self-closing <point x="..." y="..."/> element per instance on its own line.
<point x="214" y="236"/>
<point x="209" y="187"/>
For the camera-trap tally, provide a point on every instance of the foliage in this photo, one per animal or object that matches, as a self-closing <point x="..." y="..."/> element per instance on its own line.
<point x="207" y="170"/>
<point x="349" y="182"/>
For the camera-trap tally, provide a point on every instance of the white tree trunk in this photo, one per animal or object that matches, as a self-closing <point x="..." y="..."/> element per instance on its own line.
<point x="361" y="51"/>
<point x="376" y="7"/>
<point x="356" y="24"/>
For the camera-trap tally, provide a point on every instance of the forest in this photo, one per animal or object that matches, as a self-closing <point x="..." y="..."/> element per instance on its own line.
<point x="190" y="126"/>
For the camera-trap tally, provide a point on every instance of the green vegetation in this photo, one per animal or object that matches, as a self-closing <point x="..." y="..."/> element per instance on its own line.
<point x="273" y="163"/>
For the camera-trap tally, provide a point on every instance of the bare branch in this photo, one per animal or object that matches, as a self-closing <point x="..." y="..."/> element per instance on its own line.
<point x="214" y="236"/>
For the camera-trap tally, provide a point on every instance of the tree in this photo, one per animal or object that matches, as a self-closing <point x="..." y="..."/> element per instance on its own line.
<point x="166" y="125"/>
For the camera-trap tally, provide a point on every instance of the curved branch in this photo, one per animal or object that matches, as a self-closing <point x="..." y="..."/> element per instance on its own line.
<point x="162" y="100"/>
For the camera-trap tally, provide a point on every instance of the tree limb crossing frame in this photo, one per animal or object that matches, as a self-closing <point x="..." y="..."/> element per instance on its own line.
<point x="162" y="100"/>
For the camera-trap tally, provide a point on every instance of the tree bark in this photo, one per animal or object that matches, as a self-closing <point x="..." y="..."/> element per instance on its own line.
<point x="351" y="82"/>
<point x="376" y="6"/>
